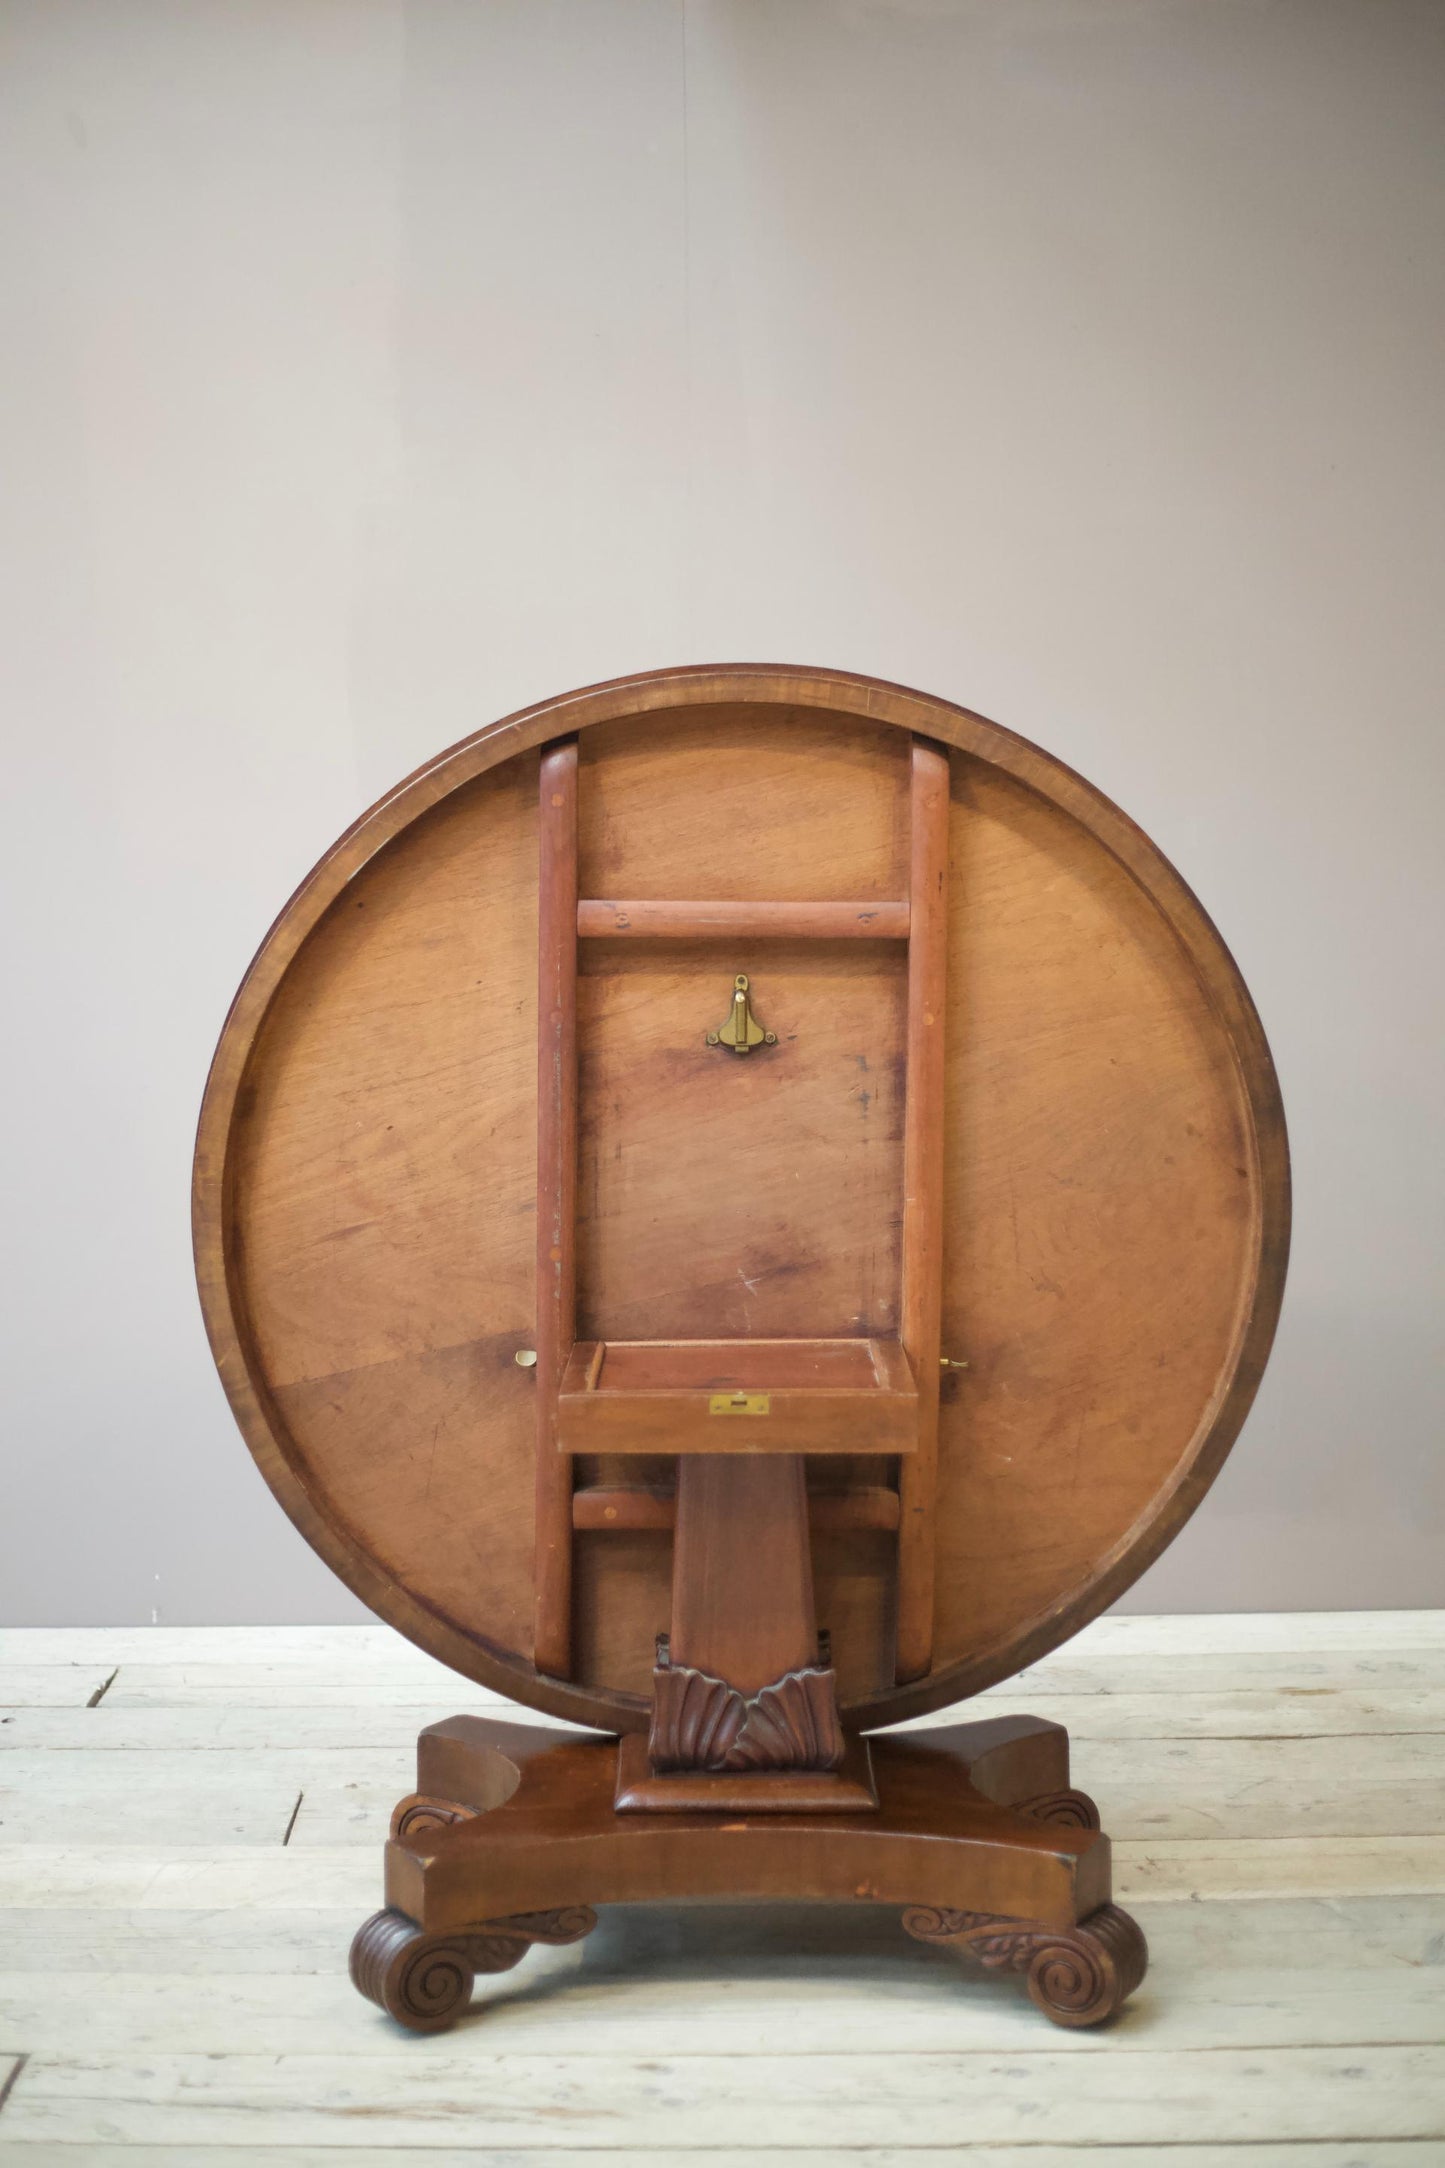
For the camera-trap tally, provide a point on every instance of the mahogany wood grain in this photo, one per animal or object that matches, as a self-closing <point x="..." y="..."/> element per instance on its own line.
<point x="513" y="1837"/>
<point x="848" y="1789"/>
<point x="752" y="1365"/>
<point x="630" y="1507"/>
<point x="556" y="1194"/>
<point x="793" y="1396"/>
<point x="744" y="921"/>
<point x="1115" y="1186"/>
<point x="742" y="1574"/>
<point x="552" y="1837"/>
<point x="623" y="1508"/>
<point x="923" y="1194"/>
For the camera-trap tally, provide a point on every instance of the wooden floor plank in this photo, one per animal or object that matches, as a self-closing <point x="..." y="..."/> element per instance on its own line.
<point x="1266" y="1787"/>
<point x="660" y="2101"/>
<point x="1118" y="1635"/>
<point x="1273" y="1786"/>
<point x="180" y="1942"/>
<point x="1237" y="1631"/>
<point x="322" y="1685"/>
<point x="256" y="1878"/>
<point x="1201" y="1869"/>
<point x="369" y="1643"/>
<point x="175" y="1796"/>
<point x="822" y="1996"/>
<point x="719" y="1944"/>
<point x="214" y="1727"/>
<point x="1079" y="1669"/>
<point x="1279" y="1712"/>
<point x="50" y="1686"/>
<point x="377" y="1672"/>
<point x="1149" y="1788"/>
<point x="1377" y="2153"/>
<point x="1146" y="1788"/>
<point x="403" y="1676"/>
<point x="121" y="1721"/>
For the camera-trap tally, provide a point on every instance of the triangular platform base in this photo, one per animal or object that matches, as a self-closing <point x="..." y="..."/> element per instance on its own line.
<point x="514" y="1837"/>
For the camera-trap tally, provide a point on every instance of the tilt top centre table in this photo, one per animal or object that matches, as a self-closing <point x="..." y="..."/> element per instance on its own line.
<point x="736" y="1207"/>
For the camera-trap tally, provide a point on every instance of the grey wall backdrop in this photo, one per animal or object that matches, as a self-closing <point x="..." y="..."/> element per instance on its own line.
<point x="371" y="369"/>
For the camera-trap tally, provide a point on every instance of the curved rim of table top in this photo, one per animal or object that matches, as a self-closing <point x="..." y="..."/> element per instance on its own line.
<point x="659" y="692"/>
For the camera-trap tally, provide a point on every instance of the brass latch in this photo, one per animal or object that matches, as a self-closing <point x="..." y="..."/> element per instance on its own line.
<point x="739" y="1403"/>
<point x="742" y="1031"/>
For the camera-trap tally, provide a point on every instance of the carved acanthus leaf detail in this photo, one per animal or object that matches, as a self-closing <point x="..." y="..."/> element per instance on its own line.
<point x="699" y="1722"/>
<point x="1076" y="1975"/>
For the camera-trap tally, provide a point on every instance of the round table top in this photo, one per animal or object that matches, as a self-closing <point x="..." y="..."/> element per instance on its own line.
<point x="1115" y="1179"/>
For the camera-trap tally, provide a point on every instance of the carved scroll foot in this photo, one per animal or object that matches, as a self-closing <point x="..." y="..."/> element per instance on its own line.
<point x="420" y="1811"/>
<point x="1072" y="1810"/>
<point x="425" y="1981"/>
<point x="1076" y="1975"/>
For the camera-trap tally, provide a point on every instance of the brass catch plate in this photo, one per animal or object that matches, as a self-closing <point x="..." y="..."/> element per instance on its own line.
<point x="740" y="1404"/>
<point x="740" y="1029"/>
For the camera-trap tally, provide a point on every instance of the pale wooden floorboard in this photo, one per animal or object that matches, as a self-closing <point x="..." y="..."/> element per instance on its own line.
<point x="1256" y="1637"/>
<point x="368" y="1642"/>
<point x="1081" y="1669"/>
<point x="658" y="2100"/>
<point x="50" y="1686"/>
<point x="1256" y="1934"/>
<point x="828" y="1990"/>
<point x="1278" y="1713"/>
<point x="1151" y="1787"/>
<point x="214" y="1728"/>
<point x="176" y="1797"/>
<point x="1374" y="2153"/>
<point x="172" y="1983"/>
<point x="1234" y="1632"/>
<point x="414" y="1682"/>
<point x="1193" y="1868"/>
<point x="304" y="1667"/>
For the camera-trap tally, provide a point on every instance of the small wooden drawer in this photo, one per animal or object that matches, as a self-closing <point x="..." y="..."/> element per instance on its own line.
<point x="737" y="1396"/>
